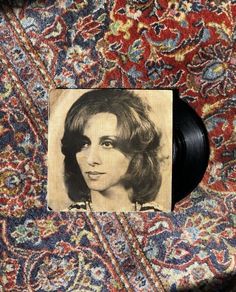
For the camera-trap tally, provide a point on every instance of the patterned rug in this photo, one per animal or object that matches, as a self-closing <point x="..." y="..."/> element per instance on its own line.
<point x="189" y="45"/>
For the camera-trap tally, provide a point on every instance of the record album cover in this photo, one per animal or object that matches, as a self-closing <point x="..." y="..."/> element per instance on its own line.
<point x="110" y="150"/>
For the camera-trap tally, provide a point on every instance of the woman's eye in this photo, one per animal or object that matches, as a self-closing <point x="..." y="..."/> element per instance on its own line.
<point x="107" y="144"/>
<point x="84" y="145"/>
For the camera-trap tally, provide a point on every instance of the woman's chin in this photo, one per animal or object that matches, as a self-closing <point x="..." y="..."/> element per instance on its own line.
<point x="97" y="188"/>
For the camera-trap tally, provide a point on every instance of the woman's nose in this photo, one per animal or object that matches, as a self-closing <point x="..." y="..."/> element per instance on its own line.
<point x="93" y="156"/>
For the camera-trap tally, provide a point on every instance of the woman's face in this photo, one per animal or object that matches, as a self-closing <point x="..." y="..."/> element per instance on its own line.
<point x="102" y="164"/>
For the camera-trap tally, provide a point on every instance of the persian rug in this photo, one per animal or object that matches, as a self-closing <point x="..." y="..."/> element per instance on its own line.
<point x="188" y="45"/>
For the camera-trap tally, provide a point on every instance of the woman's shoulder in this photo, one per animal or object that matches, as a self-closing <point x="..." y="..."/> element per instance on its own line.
<point x="80" y="206"/>
<point x="86" y="206"/>
<point x="148" y="207"/>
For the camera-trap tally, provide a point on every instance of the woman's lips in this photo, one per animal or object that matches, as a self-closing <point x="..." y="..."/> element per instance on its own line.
<point x="94" y="175"/>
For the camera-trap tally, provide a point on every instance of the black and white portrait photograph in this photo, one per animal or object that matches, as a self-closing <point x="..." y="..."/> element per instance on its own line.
<point x="109" y="150"/>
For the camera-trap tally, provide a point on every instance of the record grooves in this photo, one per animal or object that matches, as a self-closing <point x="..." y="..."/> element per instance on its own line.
<point x="190" y="150"/>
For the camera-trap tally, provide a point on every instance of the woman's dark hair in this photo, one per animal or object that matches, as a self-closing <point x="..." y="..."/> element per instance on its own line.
<point x="138" y="138"/>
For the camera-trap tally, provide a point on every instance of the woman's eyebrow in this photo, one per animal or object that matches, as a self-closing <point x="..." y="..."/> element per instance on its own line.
<point x="83" y="137"/>
<point x="112" y="137"/>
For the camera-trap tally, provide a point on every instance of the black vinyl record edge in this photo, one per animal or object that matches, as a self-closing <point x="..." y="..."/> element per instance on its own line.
<point x="190" y="149"/>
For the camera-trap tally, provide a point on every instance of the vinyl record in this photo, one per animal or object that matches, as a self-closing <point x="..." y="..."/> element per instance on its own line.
<point x="190" y="150"/>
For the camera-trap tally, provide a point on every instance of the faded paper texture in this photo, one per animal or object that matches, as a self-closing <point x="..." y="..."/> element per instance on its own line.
<point x="60" y="101"/>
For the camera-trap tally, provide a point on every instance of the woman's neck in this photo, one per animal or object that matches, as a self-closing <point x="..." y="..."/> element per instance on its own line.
<point x="113" y="199"/>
